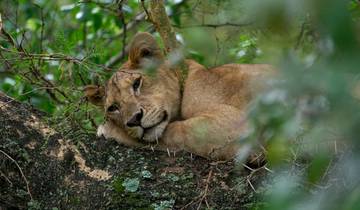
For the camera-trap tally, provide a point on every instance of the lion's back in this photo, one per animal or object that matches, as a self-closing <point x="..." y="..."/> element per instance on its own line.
<point x="230" y="84"/>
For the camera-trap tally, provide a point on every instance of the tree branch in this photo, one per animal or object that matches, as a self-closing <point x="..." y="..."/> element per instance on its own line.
<point x="145" y="10"/>
<point x="162" y="24"/>
<point x="121" y="17"/>
<point x="132" y="25"/>
<point x="121" y="55"/>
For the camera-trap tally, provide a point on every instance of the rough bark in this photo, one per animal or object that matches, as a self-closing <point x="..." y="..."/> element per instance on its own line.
<point x="41" y="166"/>
<point x="162" y="24"/>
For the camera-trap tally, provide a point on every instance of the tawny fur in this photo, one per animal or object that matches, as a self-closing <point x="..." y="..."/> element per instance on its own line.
<point x="214" y="103"/>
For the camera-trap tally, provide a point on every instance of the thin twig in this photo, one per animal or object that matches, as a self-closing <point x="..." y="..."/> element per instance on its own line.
<point x="22" y="174"/>
<point x="132" y="25"/>
<point x="252" y="187"/>
<point x="252" y="172"/>
<point x="42" y="26"/>
<point x="23" y="94"/>
<point x="204" y="194"/>
<point x="34" y="70"/>
<point x="146" y="11"/>
<point x="7" y="179"/>
<point x="124" y="25"/>
<point x="248" y="167"/>
<point x="55" y="56"/>
<point x="301" y="35"/>
<point x="105" y="6"/>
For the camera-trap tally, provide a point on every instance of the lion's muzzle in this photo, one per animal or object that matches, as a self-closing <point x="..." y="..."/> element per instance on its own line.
<point x="135" y="120"/>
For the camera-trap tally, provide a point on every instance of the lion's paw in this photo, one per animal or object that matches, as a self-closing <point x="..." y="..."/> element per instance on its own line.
<point x="154" y="134"/>
<point x="101" y="131"/>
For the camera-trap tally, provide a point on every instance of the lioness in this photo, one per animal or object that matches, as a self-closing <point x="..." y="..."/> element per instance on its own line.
<point x="203" y="112"/>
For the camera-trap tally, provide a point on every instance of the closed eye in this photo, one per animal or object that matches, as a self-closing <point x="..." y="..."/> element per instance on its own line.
<point x="113" y="108"/>
<point x="137" y="84"/>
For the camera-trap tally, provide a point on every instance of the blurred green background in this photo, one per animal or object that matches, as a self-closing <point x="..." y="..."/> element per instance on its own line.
<point x="309" y="118"/>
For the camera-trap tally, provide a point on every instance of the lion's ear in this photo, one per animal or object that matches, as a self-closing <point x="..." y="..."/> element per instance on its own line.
<point x="95" y="94"/>
<point x="144" y="47"/>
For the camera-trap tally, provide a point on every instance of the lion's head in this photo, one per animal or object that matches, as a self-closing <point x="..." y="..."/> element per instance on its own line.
<point x="139" y="103"/>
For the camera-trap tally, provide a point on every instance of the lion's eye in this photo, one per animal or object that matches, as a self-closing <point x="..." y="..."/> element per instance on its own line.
<point x="136" y="84"/>
<point x="113" y="108"/>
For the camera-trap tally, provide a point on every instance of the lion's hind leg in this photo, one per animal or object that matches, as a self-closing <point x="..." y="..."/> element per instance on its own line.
<point x="212" y="134"/>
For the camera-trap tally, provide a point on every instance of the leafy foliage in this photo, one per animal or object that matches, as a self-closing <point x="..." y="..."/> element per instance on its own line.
<point x="309" y="116"/>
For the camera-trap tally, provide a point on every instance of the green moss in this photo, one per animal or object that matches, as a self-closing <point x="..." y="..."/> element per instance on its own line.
<point x="117" y="185"/>
<point x="74" y="200"/>
<point x="129" y="200"/>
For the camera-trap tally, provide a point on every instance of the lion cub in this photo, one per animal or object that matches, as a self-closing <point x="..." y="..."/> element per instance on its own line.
<point x="203" y="112"/>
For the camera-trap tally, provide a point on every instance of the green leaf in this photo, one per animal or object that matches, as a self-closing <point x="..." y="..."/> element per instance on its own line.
<point x="318" y="167"/>
<point x="32" y="24"/>
<point x="97" y="20"/>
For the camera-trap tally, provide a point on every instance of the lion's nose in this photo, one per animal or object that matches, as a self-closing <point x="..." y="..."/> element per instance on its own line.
<point x="135" y="119"/>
